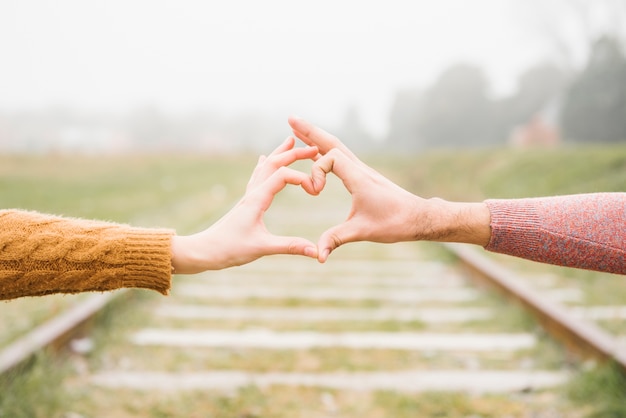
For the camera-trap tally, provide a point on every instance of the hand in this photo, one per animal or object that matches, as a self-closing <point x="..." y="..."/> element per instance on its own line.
<point x="241" y="236"/>
<point x="381" y="210"/>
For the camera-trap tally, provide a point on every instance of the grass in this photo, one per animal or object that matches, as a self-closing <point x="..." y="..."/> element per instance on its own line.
<point x="121" y="189"/>
<point x="600" y="391"/>
<point x="19" y="316"/>
<point x="150" y="191"/>
<point x="502" y="173"/>
<point x="32" y="390"/>
<point x="477" y="175"/>
<point x="190" y="192"/>
<point x="301" y="402"/>
<point x="505" y="173"/>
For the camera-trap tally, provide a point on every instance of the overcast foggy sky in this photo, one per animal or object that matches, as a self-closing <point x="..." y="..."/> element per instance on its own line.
<point x="311" y="58"/>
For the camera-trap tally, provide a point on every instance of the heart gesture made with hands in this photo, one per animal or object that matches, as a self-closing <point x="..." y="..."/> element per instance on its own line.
<point x="381" y="211"/>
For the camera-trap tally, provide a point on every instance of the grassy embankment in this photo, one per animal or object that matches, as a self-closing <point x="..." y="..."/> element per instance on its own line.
<point x="181" y="193"/>
<point x="478" y="175"/>
<point x="190" y="192"/>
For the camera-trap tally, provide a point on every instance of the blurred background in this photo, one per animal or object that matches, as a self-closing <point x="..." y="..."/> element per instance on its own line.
<point x="220" y="77"/>
<point x="151" y="112"/>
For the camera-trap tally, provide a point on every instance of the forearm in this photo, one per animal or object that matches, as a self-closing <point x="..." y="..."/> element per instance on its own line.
<point x="42" y="254"/>
<point x="445" y="221"/>
<point x="584" y="231"/>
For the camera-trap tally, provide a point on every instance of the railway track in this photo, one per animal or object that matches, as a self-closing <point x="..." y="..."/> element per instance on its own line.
<point x="581" y="336"/>
<point x="374" y="319"/>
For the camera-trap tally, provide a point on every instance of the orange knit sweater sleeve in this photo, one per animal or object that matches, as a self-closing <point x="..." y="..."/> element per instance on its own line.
<point x="43" y="254"/>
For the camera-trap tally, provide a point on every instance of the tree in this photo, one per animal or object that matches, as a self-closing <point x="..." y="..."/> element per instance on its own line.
<point x="570" y="27"/>
<point x="595" y="104"/>
<point x="537" y="87"/>
<point x="352" y="131"/>
<point x="457" y="110"/>
<point x="538" y="96"/>
<point x="403" y="120"/>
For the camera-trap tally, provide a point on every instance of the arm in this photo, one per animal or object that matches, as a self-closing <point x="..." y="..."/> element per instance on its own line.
<point x="43" y="254"/>
<point x="585" y="231"/>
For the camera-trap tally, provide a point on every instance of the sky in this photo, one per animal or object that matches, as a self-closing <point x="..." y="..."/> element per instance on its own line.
<point x="311" y="58"/>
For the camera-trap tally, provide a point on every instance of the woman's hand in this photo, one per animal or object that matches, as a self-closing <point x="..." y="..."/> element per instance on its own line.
<point x="240" y="236"/>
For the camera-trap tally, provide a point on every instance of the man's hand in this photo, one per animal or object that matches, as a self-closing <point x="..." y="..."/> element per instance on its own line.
<point x="381" y="210"/>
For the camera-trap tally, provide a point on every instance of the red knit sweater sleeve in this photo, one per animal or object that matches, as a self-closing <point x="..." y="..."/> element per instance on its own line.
<point x="585" y="231"/>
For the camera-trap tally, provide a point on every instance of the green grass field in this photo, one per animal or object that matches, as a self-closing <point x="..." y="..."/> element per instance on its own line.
<point x="183" y="193"/>
<point x="190" y="192"/>
<point x="483" y="174"/>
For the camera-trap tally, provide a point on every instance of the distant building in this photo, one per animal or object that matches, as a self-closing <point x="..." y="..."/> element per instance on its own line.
<point x="537" y="132"/>
<point x="542" y="129"/>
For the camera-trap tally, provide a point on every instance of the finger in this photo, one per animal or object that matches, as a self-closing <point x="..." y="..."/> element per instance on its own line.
<point x="340" y="164"/>
<point x="264" y="194"/>
<point x="266" y="166"/>
<point x="320" y="169"/>
<point x="291" y="245"/>
<point x="312" y="135"/>
<point x="257" y="167"/>
<point x="255" y="173"/>
<point x="286" y="145"/>
<point x="281" y="161"/>
<point x="288" y="157"/>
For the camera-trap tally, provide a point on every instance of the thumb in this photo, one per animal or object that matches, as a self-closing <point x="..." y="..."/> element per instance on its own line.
<point x="292" y="246"/>
<point x="333" y="238"/>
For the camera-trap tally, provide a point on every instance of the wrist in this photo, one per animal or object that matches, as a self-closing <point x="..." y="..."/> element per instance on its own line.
<point x="183" y="259"/>
<point x="459" y="222"/>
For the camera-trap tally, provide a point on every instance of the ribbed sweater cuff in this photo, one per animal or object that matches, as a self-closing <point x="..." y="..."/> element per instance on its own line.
<point x="515" y="226"/>
<point x="148" y="259"/>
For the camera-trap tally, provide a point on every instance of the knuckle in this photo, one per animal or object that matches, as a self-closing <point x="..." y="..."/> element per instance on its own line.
<point x="337" y="242"/>
<point x="293" y="248"/>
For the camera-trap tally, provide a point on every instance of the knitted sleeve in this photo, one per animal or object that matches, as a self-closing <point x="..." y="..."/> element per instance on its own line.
<point x="42" y="254"/>
<point x="585" y="231"/>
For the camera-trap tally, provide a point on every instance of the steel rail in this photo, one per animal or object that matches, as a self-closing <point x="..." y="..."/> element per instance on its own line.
<point x="56" y="332"/>
<point x="580" y="337"/>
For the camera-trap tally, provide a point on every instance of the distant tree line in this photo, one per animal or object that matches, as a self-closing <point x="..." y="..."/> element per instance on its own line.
<point x="457" y="110"/>
<point x="145" y="129"/>
<point x="594" y="108"/>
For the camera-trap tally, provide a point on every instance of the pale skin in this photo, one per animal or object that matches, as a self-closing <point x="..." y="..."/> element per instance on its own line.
<point x="381" y="210"/>
<point x="240" y="236"/>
